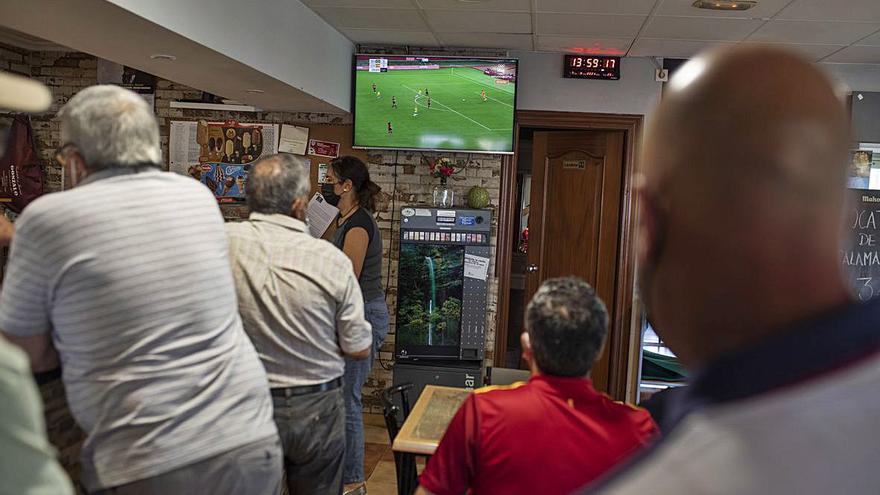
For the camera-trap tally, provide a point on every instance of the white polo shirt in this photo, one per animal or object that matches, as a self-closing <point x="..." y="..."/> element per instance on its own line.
<point x="130" y="272"/>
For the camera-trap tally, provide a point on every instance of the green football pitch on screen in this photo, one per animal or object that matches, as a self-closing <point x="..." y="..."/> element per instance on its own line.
<point x="442" y="109"/>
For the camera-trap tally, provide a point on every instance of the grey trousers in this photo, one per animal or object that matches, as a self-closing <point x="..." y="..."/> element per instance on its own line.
<point x="312" y="429"/>
<point x="253" y="469"/>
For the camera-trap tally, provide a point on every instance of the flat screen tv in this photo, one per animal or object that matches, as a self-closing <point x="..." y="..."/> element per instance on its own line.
<point x="434" y="103"/>
<point x="429" y="299"/>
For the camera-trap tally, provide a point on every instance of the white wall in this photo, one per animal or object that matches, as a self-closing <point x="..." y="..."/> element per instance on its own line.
<point x="540" y="86"/>
<point x="281" y="38"/>
<point x="855" y="77"/>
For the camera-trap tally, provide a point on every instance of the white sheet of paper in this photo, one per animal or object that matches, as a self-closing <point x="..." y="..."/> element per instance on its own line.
<point x="476" y="267"/>
<point x="319" y="215"/>
<point x="294" y="139"/>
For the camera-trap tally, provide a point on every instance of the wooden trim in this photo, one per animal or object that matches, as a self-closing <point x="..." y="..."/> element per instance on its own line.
<point x="504" y="251"/>
<point x="441" y="410"/>
<point x="625" y="374"/>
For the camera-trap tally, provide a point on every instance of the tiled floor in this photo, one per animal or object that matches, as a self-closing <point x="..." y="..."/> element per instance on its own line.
<point x="378" y="459"/>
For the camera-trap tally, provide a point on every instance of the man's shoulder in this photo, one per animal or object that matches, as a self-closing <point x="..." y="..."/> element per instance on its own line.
<point x="500" y="398"/>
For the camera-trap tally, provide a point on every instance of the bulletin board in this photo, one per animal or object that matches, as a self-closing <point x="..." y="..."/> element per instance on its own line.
<point x="333" y="133"/>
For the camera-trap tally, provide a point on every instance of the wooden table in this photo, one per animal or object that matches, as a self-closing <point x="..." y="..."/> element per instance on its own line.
<point x="426" y="423"/>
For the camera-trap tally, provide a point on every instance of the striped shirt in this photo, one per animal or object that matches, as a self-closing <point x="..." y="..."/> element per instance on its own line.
<point x="299" y="300"/>
<point x="130" y="273"/>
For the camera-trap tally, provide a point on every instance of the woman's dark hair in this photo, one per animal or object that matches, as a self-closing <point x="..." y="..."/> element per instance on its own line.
<point x="353" y="169"/>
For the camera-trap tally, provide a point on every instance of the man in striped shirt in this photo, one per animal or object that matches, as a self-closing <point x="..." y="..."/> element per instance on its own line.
<point x="303" y="309"/>
<point x="127" y="276"/>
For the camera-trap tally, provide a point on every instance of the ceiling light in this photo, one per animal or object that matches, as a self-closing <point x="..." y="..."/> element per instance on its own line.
<point x="725" y="4"/>
<point x="163" y="56"/>
<point x="254" y="91"/>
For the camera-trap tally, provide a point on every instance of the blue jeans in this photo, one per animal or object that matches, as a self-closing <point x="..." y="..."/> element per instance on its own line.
<point x="356" y="373"/>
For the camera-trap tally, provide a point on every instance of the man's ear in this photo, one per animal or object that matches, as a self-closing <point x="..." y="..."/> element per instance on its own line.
<point x="299" y="207"/>
<point x="526" y="343"/>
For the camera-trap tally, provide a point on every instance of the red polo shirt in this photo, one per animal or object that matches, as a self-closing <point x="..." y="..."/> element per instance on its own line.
<point x="550" y="435"/>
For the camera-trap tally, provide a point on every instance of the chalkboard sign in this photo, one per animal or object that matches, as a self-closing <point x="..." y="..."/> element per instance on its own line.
<point x="862" y="257"/>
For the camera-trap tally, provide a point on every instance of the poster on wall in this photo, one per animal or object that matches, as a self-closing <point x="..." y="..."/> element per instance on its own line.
<point x="327" y="149"/>
<point x="220" y="154"/>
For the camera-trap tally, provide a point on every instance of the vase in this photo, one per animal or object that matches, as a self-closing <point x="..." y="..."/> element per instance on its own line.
<point x="444" y="196"/>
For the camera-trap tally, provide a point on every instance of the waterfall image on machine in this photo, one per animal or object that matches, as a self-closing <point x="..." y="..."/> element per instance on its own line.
<point x="432" y="303"/>
<point x="430" y="294"/>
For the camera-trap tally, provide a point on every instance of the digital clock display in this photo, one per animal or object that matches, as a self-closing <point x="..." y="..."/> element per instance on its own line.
<point x="591" y="67"/>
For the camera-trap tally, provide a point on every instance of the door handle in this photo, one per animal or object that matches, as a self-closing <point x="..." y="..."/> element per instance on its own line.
<point x="532" y="268"/>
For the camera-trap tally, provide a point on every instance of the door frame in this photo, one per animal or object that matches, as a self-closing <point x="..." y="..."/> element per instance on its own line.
<point x="625" y="326"/>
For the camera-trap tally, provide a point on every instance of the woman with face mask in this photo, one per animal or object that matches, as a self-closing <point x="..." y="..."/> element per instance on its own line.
<point x="349" y="188"/>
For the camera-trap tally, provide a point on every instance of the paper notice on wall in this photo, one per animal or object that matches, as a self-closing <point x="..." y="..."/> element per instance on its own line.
<point x="476" y="267"/>
<point x="319" y="215"/>
<point x="294" y="139"/>
<point x="322" y="173"/>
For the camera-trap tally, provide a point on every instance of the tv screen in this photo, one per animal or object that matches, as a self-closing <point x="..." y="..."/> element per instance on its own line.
<point x="429" y="296"/>
<point x="434" y="103"/>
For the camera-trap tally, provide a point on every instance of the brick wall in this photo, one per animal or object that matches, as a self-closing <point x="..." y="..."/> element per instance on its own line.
<point x="414" y="186"/>
<point x="66" y="73"/>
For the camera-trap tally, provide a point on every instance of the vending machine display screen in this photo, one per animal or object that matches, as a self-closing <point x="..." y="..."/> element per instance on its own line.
<point x="430" y="295"/>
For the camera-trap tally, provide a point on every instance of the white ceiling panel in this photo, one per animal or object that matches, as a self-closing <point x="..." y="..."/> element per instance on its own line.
<point x="450" y="21"/>
<point x="596" y="6"/>
<point x="832" y="33"/>
<point x="487" y="40"/>
<point x="485" y="5"/>
<point x="385" y="4"/>
<point x="418" y="38"/>
<point x="700" y="28"/>
<point x="873" y="40"/>
<point x="594" y="46"/>
<point x="765" y="8"/>
<point x="651" y="47"/>
<point x="615" y="26"/>
<point x="856" y="55"/>
<point x="832" y="10"/>
<point x="364" y="18"/>
<point x="812" y="52"/>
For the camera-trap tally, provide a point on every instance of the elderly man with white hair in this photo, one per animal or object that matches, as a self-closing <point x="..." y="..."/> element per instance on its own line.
<point x="127" y="276"/>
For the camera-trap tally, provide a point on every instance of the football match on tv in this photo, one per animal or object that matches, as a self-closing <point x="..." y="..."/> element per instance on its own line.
<point x="435" y="103"/>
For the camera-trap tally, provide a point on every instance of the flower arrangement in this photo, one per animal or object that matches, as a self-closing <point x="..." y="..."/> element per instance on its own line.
<point x="442" y="168"/>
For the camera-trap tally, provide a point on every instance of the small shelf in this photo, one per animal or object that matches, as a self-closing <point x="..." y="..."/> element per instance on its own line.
<point x="213" y="106"/>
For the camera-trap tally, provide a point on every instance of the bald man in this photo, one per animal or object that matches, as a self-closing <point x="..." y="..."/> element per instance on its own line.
<point x="743" y="201"/>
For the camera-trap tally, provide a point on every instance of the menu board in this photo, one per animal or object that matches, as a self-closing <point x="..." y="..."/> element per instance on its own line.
<point x="861" y="258"/>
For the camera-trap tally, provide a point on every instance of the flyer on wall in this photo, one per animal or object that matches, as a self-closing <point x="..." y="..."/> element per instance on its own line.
<point x="220" y="154"/>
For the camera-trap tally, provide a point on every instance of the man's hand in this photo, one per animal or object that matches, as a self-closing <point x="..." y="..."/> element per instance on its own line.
<point x="364" y="354"/>
<point x="7" y="229"/>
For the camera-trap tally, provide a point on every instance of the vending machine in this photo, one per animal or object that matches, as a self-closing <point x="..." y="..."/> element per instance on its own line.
<point x="442" y="293"/>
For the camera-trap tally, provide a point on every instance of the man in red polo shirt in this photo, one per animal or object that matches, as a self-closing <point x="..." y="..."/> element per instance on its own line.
<point x="553" y="434"/>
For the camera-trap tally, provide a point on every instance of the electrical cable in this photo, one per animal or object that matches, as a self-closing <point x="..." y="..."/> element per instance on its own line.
<point x="389" y="365"/>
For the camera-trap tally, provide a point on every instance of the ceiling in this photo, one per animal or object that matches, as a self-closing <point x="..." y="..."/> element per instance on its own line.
<point x="837" y="31"/>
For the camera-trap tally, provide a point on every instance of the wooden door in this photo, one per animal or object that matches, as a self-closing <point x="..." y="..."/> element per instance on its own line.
<point x="575" y="215"/>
